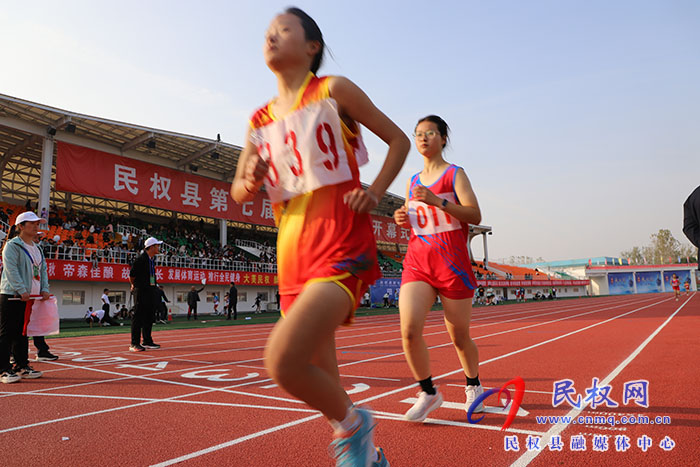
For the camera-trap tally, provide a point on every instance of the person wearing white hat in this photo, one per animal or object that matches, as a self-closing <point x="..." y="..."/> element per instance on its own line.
<point x="144" y="287"/>
<point x="23" y="274"/>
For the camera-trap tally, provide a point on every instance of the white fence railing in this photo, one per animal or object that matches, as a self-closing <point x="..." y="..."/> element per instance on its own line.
<point x="118" y="256"/>
<point x="130" y="229"/>
<point x="252" y="244"/>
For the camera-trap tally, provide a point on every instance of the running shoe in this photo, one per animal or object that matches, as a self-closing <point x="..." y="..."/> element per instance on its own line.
<point x="472" y="393"/>
<point x="356" y="449"/>
<point x="28" y="372"/>
<point x="45" y="357"/>
<point x="382" y="462"/>
<point x="425" y="404"/>
<point x="9" y="376"/>
<point x="136" y="348"/>
<point x="150" y="346"/>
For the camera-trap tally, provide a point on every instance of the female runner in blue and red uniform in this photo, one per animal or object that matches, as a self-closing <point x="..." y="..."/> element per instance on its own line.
<point x="440" y="205"/>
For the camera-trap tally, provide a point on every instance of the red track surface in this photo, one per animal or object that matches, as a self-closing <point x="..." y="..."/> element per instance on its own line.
<point x="205" y="399"/>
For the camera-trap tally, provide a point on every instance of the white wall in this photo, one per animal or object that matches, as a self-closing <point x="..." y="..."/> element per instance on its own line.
<point x="93" y="294"/>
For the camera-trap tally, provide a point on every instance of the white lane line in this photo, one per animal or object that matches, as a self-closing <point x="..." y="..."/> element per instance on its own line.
<point x="233" y="442"/>
<point x="176" y="401"/>
<point x="529" y="456"/>
<point x="370" y="377"/>
<point x="382" y="395"/>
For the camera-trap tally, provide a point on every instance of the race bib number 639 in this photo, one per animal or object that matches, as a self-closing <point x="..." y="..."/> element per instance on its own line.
<point x="305" y="151"/>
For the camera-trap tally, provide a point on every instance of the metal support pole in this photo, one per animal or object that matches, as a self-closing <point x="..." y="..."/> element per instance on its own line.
<point x="46" y="170"/>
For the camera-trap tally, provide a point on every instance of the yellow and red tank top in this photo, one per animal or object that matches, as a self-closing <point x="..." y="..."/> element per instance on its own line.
<point x="314" y="159"/>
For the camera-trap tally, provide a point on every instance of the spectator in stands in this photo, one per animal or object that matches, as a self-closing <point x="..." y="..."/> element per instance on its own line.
<point x="23" y="274"/>
<point x="232" y="301"/>
<point x="142" y="277"/>
<point x="192" y="299"/>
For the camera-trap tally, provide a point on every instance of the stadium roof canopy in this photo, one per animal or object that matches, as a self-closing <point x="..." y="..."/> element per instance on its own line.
<point x="25" y="124"/>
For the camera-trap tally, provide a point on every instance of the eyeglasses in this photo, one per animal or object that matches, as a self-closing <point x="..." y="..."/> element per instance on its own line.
<point x="427" y="134"/>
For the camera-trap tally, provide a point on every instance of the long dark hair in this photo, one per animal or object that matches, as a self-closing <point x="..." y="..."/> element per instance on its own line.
<point x="312" y="33"/>
<point x="442" y="127"/>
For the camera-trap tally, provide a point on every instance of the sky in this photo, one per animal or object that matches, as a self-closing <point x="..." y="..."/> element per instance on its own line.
<point x="577" y="122"/>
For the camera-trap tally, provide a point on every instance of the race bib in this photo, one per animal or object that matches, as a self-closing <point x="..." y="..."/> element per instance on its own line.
<point x="428" y="220"/>
<point x="305" y="151"/>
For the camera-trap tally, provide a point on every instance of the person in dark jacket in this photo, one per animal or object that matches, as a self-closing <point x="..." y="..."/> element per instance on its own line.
<point x="144" y="287"/>
<point x="232" y="301"/>
<point x="691" y="220"/>
<point x="192" y="299"/>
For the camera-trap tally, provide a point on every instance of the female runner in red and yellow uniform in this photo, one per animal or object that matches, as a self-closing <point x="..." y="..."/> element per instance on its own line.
<point x="305" y="146"/>
<point x="440" y="203"/>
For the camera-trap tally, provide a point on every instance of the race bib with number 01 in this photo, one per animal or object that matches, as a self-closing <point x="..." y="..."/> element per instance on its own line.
<point x="305" y="151"/>
<point x="428" y="220"/>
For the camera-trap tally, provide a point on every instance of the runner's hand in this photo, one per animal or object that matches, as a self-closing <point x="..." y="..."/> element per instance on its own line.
<point x="421" y="193"/>
<point x="255" y="171"/>
<point x="401" y="216"/>
<point x="360" y="200"/>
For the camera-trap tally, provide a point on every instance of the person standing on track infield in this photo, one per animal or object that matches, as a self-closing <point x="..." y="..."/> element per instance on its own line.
<point x="23" y="275"/>
<point x="192" y="299"/>
<point x="305" y="145"/>
<point x="440" y="205"/>
<point x="232" y="301"/>
<point x="144" y="288"/>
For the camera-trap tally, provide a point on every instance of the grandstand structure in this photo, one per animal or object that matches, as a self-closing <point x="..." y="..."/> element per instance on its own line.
<point x="141" y="181"/>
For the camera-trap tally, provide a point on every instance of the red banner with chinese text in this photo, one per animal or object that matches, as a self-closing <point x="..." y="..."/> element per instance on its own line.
<point x="533" y="283"/>
<point x="95" y="173"/>
<point x="106" y="272"/>
<point x="90" y="172"/>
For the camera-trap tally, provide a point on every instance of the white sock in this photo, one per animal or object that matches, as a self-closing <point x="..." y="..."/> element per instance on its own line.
<point x="346" y="425"/>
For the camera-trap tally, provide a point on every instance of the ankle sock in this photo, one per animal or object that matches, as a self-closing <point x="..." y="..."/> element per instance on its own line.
<point x="348" y="424"/>
<point x="473" y="381"/>
<point x="426" y="385"/>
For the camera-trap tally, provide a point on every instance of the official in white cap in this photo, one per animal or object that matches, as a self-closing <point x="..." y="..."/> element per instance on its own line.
<point x="144" y="287"/>
<point x="23" y="274"/>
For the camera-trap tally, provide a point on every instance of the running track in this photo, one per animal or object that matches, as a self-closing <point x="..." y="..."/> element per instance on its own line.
<point x="205" y="399"/>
